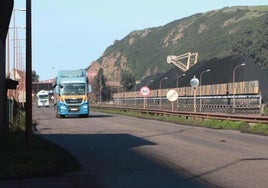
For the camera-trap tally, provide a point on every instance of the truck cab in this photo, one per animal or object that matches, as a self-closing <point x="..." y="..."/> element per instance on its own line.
<point x="42" y="98"/>
<point x="71" y="94"/>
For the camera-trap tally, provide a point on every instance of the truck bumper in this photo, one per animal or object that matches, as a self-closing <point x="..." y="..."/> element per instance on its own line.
<point x="64" y="109"/>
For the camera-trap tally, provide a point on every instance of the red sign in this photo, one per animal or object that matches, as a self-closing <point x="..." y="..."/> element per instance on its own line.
<point x="145" y="91"/>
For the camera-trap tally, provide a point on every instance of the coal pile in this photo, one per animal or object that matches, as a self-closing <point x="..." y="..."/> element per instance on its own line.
<point x="221" y="72"/>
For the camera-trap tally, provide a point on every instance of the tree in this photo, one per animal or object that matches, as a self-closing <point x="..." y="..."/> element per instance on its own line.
<point x="35" y="77"/>
<point x="127" y="80"/>
<point x="99" y="85"/>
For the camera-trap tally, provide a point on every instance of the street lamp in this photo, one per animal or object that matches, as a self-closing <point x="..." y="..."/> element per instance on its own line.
<point x="15" y="46"/>
<point x="18" y="51"/>
<point x="240" y="65"/>
<point x="151" y="81"/>
<point x="160" y="101"/>
<point x="147" y="84"/>
<point x="15" y="34"/>
<point x="194" y="82"/>
<point x="178" y="80"/>
<point x="200" y="97"/>
<point x="135" y="88"/>
<point x="178" y="85"/>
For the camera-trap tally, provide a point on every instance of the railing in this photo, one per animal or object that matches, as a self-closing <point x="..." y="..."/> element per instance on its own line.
<point x="244" y="103"/>
<point x="210" y="98"/>
<point x="203" y="115"/>
<point x="238" y="88"/>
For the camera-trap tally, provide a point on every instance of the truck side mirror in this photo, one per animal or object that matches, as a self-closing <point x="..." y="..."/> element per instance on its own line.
<point x="61" y="86"/>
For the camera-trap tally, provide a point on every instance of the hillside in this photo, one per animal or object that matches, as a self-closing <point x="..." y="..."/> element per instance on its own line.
<point x="214" y="34"/>
<point x="223" y="38"/>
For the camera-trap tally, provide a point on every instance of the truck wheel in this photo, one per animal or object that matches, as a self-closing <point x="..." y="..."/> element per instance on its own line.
<point x="58" y="115"/>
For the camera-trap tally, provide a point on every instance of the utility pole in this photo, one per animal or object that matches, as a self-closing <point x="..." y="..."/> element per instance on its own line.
<point x="28" y="129"/>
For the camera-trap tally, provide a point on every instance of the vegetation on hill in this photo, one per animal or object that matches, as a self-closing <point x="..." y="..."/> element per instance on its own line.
<point x="214" y="34"/>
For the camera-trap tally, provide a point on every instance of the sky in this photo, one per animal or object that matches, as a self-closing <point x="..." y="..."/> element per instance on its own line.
<point x="70" y="34"/>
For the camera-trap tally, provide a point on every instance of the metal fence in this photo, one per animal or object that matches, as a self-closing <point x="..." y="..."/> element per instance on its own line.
<point x="208" y="98"/>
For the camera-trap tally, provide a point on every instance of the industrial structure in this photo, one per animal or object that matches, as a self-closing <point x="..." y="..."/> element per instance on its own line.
<point x="184" y="66"/>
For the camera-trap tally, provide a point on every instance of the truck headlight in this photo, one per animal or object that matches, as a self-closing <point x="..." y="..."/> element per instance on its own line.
<point x="62" y="107"/>
<point x="84" y="106"/>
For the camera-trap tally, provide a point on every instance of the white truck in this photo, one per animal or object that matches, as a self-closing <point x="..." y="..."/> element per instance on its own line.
<point x="42" y="98"/>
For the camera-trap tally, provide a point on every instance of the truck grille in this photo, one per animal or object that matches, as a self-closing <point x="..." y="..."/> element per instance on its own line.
<point x="74" y="101"/>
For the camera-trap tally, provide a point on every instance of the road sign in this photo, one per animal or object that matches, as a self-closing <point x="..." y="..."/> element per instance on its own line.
<point x="145" y="91"/>
<point x="172" y="95"/>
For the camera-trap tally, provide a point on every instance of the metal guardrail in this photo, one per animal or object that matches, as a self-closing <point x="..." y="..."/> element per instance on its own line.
<point x="249" y="118"/>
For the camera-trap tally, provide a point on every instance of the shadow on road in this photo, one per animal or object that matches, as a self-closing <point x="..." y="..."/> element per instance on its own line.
<point x="100" y="116"/>
<point x="118" y="161"/>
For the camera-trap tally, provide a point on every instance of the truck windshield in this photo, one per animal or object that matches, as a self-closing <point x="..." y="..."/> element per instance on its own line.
<point x="43" y="96"/>
<point x="73" y="89"/>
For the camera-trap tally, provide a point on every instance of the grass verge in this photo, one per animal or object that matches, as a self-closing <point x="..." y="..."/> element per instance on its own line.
<point x="259" y="128"/>
<point x="265" y="111"/>
<point x="41" y="160"/>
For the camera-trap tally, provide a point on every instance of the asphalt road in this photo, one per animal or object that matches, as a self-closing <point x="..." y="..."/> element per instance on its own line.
<point x="128" y="152"/>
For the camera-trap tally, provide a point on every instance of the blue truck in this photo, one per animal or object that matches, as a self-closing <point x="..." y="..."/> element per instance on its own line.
<point x="71" y="93"/>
